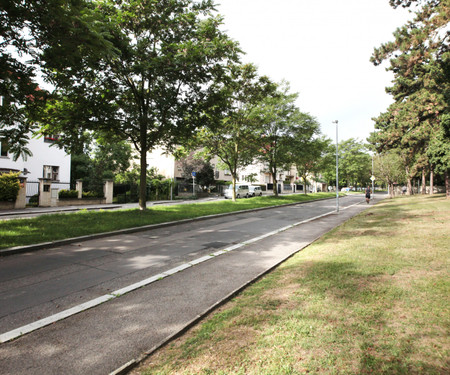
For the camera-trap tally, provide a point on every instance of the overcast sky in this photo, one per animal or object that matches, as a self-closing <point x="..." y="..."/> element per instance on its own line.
<point x="322" y="48"/>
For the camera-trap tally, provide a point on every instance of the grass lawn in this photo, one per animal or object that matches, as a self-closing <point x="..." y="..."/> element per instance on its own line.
<point x="19" y="232"/>
<point x="370" y="297"/>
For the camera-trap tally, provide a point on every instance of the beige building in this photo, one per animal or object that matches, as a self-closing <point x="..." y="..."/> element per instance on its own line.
<point x="169" y="167"/>
<point x="257" y="173"/>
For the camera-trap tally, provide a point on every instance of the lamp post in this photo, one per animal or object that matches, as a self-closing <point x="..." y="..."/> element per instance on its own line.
<point x="337" y="167"/>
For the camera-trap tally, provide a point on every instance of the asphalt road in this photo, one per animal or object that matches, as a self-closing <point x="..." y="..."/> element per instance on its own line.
<point x="34" y="286"/>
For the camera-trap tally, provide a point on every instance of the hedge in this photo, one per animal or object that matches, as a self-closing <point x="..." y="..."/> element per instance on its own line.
<point x="9" y="186"/>
<point x="64" y="193"/>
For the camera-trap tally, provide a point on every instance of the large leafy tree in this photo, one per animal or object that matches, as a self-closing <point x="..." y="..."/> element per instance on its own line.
<point x="148" y="87"/>
<point x="282" y="129"/>
<point x="388" y="167"/>
<point x="354" y="163"/>
<point x="309" y="156"/>
<point x="34" y="34"/>
<point x="420" y="60"/>
<point x="231" y="132"/>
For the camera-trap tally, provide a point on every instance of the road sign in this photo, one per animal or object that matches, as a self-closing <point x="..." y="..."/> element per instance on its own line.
<point x="194" y="174"/>
<point x="372" y="178"/>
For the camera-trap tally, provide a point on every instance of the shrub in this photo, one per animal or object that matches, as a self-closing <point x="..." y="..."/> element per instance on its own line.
<point x="9" y="186"/>
<point x="68" y="194"/>
<point x="34" y="200"/>
<point x="92" y="194"/>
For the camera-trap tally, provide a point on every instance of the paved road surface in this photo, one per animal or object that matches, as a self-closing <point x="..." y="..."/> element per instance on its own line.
<point x="97" y="341"/>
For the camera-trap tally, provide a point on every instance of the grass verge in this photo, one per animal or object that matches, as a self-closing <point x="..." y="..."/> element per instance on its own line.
<point x="371" y="296"/>
<point x="19" y="232"/>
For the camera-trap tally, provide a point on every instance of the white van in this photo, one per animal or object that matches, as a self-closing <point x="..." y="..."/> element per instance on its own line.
<point x="241" y="191"/>
<point x="254" y="191"/>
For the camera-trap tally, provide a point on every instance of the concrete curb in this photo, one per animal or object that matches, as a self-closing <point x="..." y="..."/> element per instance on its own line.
<point x="67" y="241"/>
<point x="127" y="367"/>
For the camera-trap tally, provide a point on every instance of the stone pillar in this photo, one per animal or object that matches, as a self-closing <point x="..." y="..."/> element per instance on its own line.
<point x="79" y="188"/>
<point x="21" y="200"/>
<point x="45" y="194"/>
<point x="108" y="191"/>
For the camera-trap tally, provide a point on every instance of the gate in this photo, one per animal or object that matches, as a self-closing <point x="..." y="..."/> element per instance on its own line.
<point x="125" y="193"/>
<point x="32" y="193"/>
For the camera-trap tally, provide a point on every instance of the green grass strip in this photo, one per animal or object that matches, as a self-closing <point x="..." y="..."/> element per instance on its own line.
<point x="46" y="228"/>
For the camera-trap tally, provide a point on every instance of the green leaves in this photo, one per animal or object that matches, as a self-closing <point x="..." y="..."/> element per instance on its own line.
<point x="419" y="60"/>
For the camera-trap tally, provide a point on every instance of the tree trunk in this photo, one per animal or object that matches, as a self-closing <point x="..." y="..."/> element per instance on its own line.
<point x="409" y="186"/>
<point x="275" y="184"/>
<point x="447" y="185"/>
<point x="424" y="182"/>
<point x="143" y="162"/>
<point x="391" y="190"/>
<point x="431" y="181"/>
<point x="408" y="183"/>
<point x="143" y="181"/>
<point x="233" y="181"/>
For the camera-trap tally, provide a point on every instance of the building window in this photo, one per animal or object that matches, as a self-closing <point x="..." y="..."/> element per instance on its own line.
<point x="51" y="172"/>
<point x="3" y="148"/>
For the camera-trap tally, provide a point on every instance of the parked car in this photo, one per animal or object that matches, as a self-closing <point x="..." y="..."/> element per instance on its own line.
<point x="241" y="191"/>
<point x="254" y="191"/>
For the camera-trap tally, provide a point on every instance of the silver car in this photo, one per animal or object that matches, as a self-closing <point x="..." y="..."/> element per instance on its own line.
<point x="241" y="191"/>
<point x="254" y="191"/>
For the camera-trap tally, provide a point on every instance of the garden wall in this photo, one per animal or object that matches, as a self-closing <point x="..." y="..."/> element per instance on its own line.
<point x="80" y="202"/>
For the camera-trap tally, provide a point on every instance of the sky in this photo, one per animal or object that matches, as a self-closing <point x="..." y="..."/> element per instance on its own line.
<point x="322" y="48"/>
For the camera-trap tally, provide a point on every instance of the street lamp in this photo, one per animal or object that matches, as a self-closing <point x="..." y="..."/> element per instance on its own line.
<point x="337" y="167"/>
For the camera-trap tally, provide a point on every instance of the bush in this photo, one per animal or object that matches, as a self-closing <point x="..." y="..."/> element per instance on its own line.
<point x="34" y="201"/>
<point x="67" y="194"/>
<point x="92" y="194"/>
<point x="9" y="186"/>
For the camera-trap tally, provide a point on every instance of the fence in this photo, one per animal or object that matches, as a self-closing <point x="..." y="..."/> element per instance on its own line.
<point x="32" y="189"/>
<point x="125" y="193"/>
<point x="129" y="193"/>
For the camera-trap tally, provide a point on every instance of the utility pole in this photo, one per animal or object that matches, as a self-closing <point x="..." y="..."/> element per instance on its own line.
<point x="337" y="167"/>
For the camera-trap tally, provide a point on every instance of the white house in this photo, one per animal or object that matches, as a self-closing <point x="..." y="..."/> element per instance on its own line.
<point x="46" y="162"/>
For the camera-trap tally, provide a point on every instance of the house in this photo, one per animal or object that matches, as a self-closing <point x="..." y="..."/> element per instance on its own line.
<point x="46" y="162"/>
<point x="257" y="173"/>
<point x="169" y="167"/>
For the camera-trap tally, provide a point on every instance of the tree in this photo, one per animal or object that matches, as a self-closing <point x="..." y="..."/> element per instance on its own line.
<point x="309" y="157"/>
<point x="204" y="171"/>
<point x="34" y="34"/>
<point x="282" y="129"/>
<point x="354" y="163"/>
<point x="420" y="61"/>
<point x="439" y="153"/>
<point x="327" y="167"/>
<point x="232" y="130"/>
<point x="148" y="91"/>
<point x="389" y="167"/>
